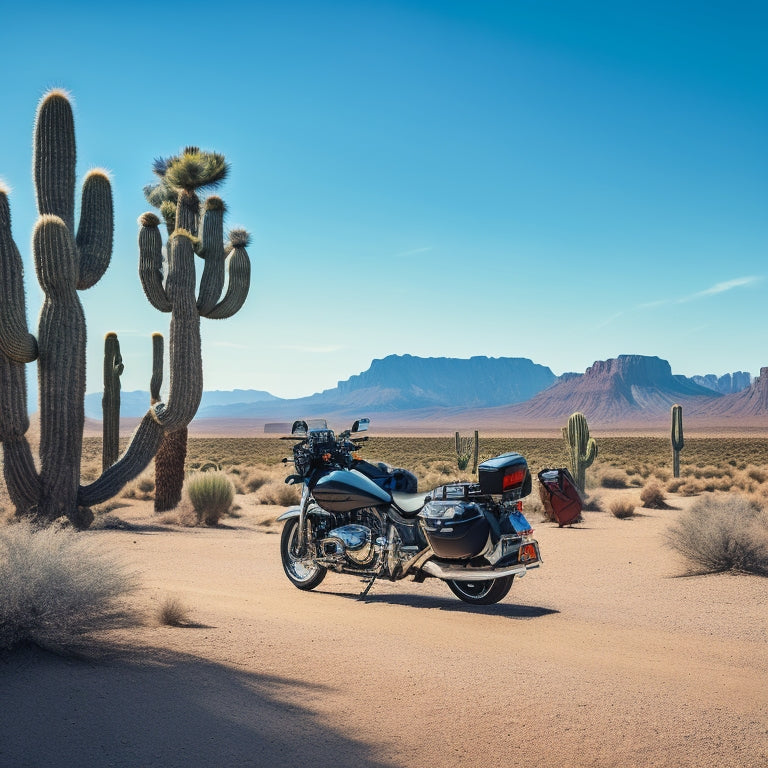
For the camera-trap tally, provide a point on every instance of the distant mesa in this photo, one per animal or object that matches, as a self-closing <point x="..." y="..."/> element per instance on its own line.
<point x="499" y="393"/>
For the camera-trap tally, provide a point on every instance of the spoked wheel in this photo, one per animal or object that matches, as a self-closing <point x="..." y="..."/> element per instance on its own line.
<point x="303" y="572"/>
<point x="482" y="592"/>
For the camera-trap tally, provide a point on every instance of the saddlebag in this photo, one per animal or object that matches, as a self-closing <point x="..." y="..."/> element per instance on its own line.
<point x="560" y="496"/>
<point x="456" y="522"/>
<point x="507" y="475"/>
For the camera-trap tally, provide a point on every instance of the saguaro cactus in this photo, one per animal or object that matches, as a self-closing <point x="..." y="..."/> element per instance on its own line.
<point x="677" y="438"/>
<point x="466" y="449"/>
<point x="176" y="197"/>
<point x="582" y="449"/>
<point x="110" y="401"/>
<point x="65" y="262"/>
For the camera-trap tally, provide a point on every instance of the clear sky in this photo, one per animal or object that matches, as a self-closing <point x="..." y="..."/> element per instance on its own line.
<point x="564" y="181"/>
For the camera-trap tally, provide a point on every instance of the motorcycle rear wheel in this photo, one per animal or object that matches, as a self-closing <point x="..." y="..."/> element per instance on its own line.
<point x="482" y="592"/>
<point x="302" y="572"/>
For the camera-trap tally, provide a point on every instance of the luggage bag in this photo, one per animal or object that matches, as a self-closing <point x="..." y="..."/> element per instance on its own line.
<point x="560" y="496"/>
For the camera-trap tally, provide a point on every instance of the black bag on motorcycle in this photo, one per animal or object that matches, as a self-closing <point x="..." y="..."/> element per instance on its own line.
<point x="455" y="529"/>
<point x="386" y="477"/>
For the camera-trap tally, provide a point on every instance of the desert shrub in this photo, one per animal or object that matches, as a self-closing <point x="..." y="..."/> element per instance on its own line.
<point x="652" y="496"/>
<point x="613" y="479"/>
<point x="172" y="612"/>
<point x="622" y="508"/>
<point x="758" y="474"/>
<point x="280" y="494"/>
<point x="592" y="504"/>
<point x="142" y="488"/>
<point x="674" y="485"/>
<point x="211" y="495"/>
<point x="721" y="533"/>
<point x="56" y="589"/>
<point x="255" y="480"/>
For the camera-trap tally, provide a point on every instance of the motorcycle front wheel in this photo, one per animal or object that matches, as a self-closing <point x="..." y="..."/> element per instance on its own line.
<point x="482" y="592"/>
<point x="303" y="572"/>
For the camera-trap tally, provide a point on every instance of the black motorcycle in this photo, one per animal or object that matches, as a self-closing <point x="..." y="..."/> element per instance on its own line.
<point x="367" y="519"/>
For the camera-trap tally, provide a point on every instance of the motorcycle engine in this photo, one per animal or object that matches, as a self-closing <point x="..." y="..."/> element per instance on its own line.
<point x="353" y="541"/>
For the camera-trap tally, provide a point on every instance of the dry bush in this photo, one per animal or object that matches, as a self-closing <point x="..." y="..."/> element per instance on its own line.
<point x="173" y="613"/>
<point x="622" y="508"/>
<point x="255" y="479"/>
<point x="280" y="494"/>
<point x="614" y="479"/>
<point x="758" y="474"/>
<point x="142" y="488"/>
<point x="56" y="590"/>
<point x="652" y="496"/>
<point x="723" y="532"/>
<point x="183" y="515"/>
<point x="592" y="504"/>
<point x="211" y="494"/>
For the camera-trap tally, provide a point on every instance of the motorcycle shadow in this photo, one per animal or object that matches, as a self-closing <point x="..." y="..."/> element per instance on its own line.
<point x="505" y="610"/>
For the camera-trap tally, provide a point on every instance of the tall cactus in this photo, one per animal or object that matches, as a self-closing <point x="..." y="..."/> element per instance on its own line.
<point x="582" y="449"/>
<point x="67" y="261"/>
<point x="677" y="438"/>
<point x="175" y="195"/>
<point x="110" y="401"/>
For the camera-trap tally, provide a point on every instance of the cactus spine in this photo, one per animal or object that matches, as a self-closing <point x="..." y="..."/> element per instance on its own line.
<point x="176" y="197"/>
<point x="677" y="438"/>
<point x="582" y="449"/>
<point x="110" y="402"/>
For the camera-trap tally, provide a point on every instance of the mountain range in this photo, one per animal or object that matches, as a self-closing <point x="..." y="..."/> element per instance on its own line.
<point x="404" y="392"/>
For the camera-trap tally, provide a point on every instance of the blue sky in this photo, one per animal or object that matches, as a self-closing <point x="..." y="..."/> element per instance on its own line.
<point x="564" y="181"/>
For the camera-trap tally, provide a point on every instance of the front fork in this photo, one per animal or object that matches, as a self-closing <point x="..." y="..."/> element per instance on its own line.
<point x="301" y="543"/>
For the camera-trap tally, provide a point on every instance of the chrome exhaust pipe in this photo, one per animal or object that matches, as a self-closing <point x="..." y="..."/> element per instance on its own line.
<point x="465" y="573"/>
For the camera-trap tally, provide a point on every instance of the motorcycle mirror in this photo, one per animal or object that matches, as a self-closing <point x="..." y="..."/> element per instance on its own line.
<point x="361" y="425"/>
<point x="299" y="427"/>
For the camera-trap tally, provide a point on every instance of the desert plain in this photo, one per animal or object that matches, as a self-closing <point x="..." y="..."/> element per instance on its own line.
<point x="605" y="656"/>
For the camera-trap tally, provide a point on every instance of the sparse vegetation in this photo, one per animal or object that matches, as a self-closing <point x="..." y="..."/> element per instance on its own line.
<point x="172" y="612"/>
<point x="721" y="533"/>
<point x="614" y="478"/>
<point x="652" y="496"/>
<point x="622" y="508"/>
<point x="211" y="495"/>
<point x="56" y="588"/>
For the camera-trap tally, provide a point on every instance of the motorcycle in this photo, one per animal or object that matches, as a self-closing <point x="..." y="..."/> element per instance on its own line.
<point x="368" y="520"/>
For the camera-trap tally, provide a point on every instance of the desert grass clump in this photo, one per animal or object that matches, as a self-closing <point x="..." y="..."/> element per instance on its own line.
<point x="723" y="532"/>
<point x="172" y="612"/>
<point x="211" y="495"/>
<point x="622" y="508"/>
<point x="614" y="479"/>
<point x="652" y="496"/>
<point x="280" y="494"/>
<point x="56" y="589"/>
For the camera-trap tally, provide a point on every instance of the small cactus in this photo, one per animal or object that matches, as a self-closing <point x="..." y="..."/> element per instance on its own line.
<point x="466" y="449"/>
<point x="677" y="438"/>
<point x="110" y="402"/>
<point x="582" y="449"/>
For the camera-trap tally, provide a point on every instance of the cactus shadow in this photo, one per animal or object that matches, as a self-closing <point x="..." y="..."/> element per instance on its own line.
<point x="155" y="708"/>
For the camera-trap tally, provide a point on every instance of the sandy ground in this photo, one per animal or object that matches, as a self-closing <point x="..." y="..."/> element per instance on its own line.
<point x="605" y="656"/>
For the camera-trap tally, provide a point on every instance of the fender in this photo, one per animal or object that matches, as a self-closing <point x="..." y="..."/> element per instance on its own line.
<point x="289" y="513"/>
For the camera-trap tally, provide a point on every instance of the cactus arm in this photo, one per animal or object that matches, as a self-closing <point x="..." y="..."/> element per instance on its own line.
<point x="157" y="368"/>
<point x="185" y="387"/>
<point x="110" y="402"/>
<point x="61" y="368"/>
<point x="239" y="276"/>
<point x="96" y="229"/>
<point x="142" y="447"/>
<point x="15" y="339"/>
<point x="212" y="281"/>
<point x="54" y="158"/>
<point x="151" y="262"/>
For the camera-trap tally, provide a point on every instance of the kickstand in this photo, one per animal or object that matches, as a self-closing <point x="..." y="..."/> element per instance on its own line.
<point x="368" y="586"/>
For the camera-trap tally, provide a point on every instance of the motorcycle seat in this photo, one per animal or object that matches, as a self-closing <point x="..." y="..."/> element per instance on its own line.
<point x="408" y="504"/>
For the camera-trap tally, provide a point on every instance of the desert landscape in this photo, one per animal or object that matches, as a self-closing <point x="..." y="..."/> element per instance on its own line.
<point x="606" y="655"/>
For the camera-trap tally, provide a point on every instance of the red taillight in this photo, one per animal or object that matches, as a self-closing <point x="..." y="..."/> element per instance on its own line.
<point x="528" y="553"/>
<point x="512" y="480"/>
